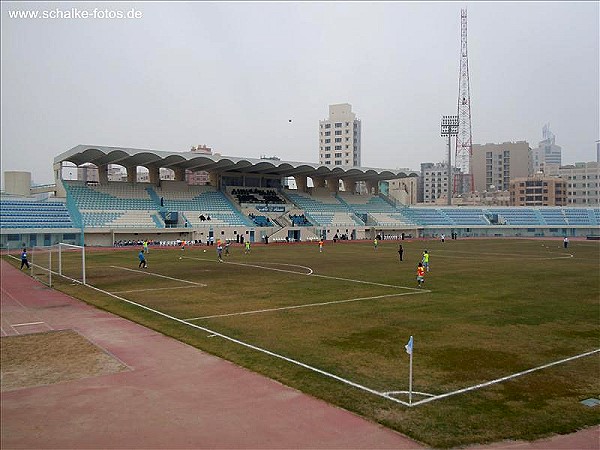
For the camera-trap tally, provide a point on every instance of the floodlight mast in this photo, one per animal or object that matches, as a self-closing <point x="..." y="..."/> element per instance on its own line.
<point x="449" y="129"/>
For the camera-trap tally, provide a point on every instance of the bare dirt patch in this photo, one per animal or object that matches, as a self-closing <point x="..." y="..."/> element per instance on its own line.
<point x="52" y="357"/>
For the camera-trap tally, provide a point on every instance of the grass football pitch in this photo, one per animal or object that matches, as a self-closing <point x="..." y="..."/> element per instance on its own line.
<point x="506" y="331"/>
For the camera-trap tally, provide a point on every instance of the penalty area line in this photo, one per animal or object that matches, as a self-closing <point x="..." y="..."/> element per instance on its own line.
<point x="308" y="305"/>
<point x="155" y="289"/>
<point x="311" y="274"/>
<point x="158" y="275"/>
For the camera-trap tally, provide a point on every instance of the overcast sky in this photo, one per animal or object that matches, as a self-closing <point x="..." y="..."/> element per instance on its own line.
<point x="232" y="75"/>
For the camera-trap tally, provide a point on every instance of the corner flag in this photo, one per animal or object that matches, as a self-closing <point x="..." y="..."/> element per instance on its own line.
<point x="409" y="346"/>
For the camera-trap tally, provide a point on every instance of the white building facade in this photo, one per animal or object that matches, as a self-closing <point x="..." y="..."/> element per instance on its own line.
<point x="433" y="183"/>
<point x="583" y="182"/>
<point x="339" y="137"/>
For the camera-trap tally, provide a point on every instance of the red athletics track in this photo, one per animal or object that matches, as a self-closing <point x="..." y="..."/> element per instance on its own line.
<point x="174" y="396"/>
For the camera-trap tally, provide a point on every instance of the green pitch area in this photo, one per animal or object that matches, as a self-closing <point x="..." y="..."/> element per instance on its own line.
<point x="334" y="325"/>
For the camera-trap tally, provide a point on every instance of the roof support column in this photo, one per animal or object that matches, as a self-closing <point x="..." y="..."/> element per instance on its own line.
<point x="154" y="175"/>
<point x="300" y="182"/>
<point x="179" y="173"/>
<point x="373" y="187"/>
<point x="333" y="184"/>
<point x="103" y="173"/>
<point x="213" y="179"/>
<point x="60" y="190"/>
<point x="349" y="185"/>
<point x="131" y="174"/>
<point x="318" y="182"/>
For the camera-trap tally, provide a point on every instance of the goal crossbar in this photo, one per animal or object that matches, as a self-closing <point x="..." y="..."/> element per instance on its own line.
<point x="58" y="264"/>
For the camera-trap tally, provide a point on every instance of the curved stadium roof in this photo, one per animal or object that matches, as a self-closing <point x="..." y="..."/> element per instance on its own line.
<point x="129" y="157"/>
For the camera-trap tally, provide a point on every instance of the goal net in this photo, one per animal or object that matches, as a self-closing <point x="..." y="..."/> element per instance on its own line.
<point x="60" y="260"/>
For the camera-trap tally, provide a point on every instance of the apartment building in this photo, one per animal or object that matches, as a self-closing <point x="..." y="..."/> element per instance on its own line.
<point x="433" y="183"/>
<point x="583" y="182"/>
<point x="494" y="165"/>
<point x="339" y="137"/>
<point x="538" y="190"/>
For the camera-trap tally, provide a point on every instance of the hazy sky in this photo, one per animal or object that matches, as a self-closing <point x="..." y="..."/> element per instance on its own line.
<point x="231" y="75"/>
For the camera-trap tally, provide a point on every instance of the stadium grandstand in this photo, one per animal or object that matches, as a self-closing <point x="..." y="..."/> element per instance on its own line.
<point x="245" y="199"/>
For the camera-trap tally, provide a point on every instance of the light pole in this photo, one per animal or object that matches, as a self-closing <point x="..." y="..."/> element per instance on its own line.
<point x="449" y="129"/>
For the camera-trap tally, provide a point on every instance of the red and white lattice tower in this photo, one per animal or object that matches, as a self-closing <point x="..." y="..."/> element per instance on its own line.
<point x="463" y="182"/>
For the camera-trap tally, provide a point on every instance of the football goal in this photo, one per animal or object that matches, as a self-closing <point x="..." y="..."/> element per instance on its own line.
<point x="63" y="260"/>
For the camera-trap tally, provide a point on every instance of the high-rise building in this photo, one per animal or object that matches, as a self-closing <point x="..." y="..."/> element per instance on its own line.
<point x="433" y="183"/>
<point x="495" y="164"/>
<point x="339" y="137"/>
<point x="547" y="151"/>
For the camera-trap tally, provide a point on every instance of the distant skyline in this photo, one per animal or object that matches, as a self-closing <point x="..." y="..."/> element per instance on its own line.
<point x="232" y="75"/>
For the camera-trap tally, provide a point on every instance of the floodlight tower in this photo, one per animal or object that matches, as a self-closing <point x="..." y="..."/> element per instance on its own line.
<point x="449" y="129"/>
<point x="463" y="182"/>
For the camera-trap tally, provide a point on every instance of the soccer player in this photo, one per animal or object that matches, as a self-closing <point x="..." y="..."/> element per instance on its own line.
<point x="320" y="245"/>
<point x="227" y="248"/>
<point x="565" y="242"/>
<point x="142" y="258"/>
<point x="145" y="244"/>
<point x="420" y="275"/>
<point x="375" y="243"/>
<point x="24" y="261"/>
<point x="401" y="252"/>
<point x="425" y="260"/>
<point x="247" y="247"/>
<point x="220" y="251"/>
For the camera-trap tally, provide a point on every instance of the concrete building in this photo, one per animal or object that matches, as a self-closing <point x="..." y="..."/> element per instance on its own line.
<point x="538" y="190"/>
<point x="583" y="182"/>
<point x="547" y="151"/>
<point x="404" y="190"/>
<point x="433" y="183"/>
<point x="199" y="177"/>
<point x="339" y="137"/>
<point x="494" y="165"/>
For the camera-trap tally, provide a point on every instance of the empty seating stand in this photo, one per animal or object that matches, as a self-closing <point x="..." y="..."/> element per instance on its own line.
<point x="34" y="214"/>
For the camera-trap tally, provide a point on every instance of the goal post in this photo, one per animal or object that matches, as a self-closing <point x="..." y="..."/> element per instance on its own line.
<point x="64" y="260"/>
<point x="71" y="261"/>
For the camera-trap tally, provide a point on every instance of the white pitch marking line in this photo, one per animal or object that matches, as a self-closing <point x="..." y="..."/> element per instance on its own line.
<point x="154" y="289"/>
<point x="253" y="347"/>
<point x="499" y="380"/>
<point x="312" y="274"/>
<point x="407" y="392"/>
<point x="367" y="282"/>
<point x="158" y="275"/>
<point x="25" y="324"/>
<point x="536" y="258"/>
<point x="453" y="253"/>
<point x="307" y="305"/>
